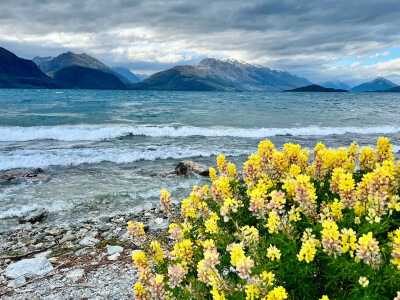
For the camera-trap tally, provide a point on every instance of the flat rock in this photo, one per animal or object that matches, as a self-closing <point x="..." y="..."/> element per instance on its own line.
<point x="10" y="175"/>
<point x="33" y="216"/>
<point x="114" y="256"/>
<point x="66" y="238"/>
<point x="75" y="275"/>
<point x="188" y="167"/>
<point x="103" y="227"/>
<point x="89" y="241"/>
<point x="46" y="254"/>
<point x="17" y="282"/>
<point x="105" y="219"/>
<point x="80" y="251"/>
<point x="35" y="266"/>
<point x="158" y="224"/>
<point x="114" y="249"/>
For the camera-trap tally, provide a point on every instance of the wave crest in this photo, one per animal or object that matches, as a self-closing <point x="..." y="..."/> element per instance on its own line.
<point x="97" y="133"/>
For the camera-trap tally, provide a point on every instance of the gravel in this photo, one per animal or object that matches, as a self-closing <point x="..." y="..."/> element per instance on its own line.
<point x="92" y="246"/>
<point x="89" y="276"/>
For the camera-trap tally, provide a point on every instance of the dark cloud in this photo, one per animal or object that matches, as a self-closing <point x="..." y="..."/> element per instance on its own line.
<point x="296" y="35"/>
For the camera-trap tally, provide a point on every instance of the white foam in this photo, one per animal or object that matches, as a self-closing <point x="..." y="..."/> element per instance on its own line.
<point x="155" y="193"/>
<point x="96" y="133"/>
<point x="18" y="211"/>
<point x="43" y="158"/>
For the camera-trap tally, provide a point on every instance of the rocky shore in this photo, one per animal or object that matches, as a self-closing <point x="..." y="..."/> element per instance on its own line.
<point x="89" y="259"/>
<point x="85" y="259"/>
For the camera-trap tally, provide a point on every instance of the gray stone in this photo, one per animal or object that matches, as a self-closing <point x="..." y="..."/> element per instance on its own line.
<point x="105" y="219"/>
<point x="54" y="232"/>
<point x="75" y="275"/>
<point x="10" y="175"/>
<point x="104" y="227"/>
<point x="80" y="251"/>
<point x="17" y="282"/>
<point x="188" y="167"/>
<point x="44" y="254"/>
<point x="114" y="249"/>
<point x="89" y="241"/>
<point x="114" y="256"/>
<point x="135" y="251"/>
<point x="158" y="224"/>
<point x="33" y="216"/>
<point x="66" y="238"/>
<point x="92" y="233"/>
<point x="34" y="266"/>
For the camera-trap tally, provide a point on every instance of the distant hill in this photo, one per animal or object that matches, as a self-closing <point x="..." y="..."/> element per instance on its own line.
<point x="335" y="85"/>
<point x="16" y="72"/>
<point x="377" y="85"/>
<point x="317" y="88"/>
<point x="88" y="78"/>
<point x="38" y="60"/>
<point x="72" y="59"/>
<point x="127" y="74"/>
<point x="395" y="89"/>
<point x="221" y="75"/>
<point x="141" y="76"/>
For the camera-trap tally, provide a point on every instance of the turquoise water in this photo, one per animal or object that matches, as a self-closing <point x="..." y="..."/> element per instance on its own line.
<point x="101" y="147"/>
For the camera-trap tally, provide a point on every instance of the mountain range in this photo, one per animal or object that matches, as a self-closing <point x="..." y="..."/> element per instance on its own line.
<point x="16" y="72"/>
<point x="71" y="70"/>
<point x="335" y="85"/>
<point x="212" y="74"/>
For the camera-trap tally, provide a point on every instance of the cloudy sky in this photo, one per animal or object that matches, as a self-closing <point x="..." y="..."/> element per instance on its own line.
<point x="322" y="40"/>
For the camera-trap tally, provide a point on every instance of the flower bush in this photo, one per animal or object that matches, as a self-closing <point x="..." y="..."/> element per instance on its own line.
<point x="291" y="228"/>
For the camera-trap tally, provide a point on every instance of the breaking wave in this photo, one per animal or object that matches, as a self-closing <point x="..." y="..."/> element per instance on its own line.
<point x="97" y="133"/>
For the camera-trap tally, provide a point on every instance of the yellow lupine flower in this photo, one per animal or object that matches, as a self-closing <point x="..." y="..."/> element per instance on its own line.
<point x="140" y="291"/>
<point x="268" y="278"/>
<point x="251" y="292"/>
<point x="211" y="223"/>
<point x="349" y="241"/>
<point x="213" y="174"/>
<point x="273" y="222"/>
<point x="232" y="174"/>
<point x="183" y="251"/>
<point x="278" y="293"/>
<point x="217" y="295"/>
<point x="221" y="189"/>
<point x="221" y="163"/>
<point x="384" y="150"/>
<point x="188" y="210"/>
<point x="336" y="208"/>
<point x="367" y="159"/>
<point x="158" y="254"/>
<point x="273" y="253"/>
<point x="236" y="254"/>
<point x="363" y="281"/>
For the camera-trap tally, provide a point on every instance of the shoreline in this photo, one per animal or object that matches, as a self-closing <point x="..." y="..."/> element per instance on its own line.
<point x="85" y="247"/>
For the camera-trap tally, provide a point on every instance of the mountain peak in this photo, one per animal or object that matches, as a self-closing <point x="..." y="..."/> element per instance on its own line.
<point x="21" y="73"/>
<point x="7" y="54"/>
<point x="231" y="61"/>
<point x="213" y="74"/>
<point x="380" y="78"/>
<point x="378" y="84"/>
<point x="69" y="59"/>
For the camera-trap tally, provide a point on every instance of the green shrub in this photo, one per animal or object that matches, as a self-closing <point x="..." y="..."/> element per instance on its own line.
<point x="290" y="229"/>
